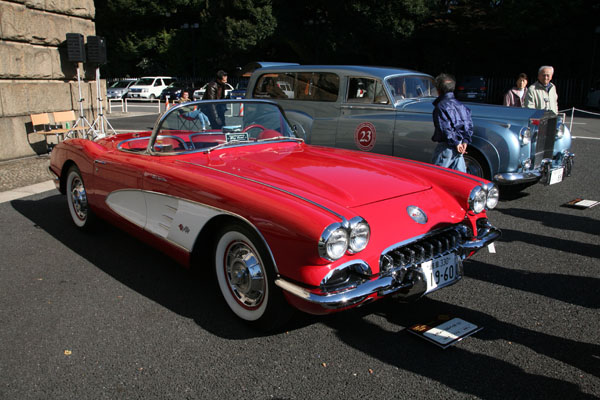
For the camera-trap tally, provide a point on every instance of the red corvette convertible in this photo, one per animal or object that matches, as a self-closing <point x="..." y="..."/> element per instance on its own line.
<point x="228" y="187"/>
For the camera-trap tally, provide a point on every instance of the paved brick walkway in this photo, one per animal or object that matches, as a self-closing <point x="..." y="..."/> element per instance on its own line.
<point x="23" y="172"/>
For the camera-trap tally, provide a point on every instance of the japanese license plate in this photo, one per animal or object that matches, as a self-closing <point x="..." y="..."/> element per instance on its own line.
<point x="440" y="271"/>
<point x="556" y="176"/>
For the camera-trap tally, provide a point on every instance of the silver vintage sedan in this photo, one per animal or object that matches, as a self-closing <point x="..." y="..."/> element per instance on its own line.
<point x="388" y="111"/>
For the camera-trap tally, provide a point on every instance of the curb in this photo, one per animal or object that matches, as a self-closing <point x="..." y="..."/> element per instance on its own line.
<point x="25" y="191"/>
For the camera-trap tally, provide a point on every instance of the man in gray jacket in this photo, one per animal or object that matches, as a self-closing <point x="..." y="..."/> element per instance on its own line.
<point x="542" y="94"/>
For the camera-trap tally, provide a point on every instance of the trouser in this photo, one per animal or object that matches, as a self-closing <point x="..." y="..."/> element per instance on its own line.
<point x="447" y="156"/>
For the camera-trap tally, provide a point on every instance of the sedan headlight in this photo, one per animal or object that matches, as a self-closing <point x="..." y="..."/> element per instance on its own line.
<point x="341" y="238"/>
<point x="560" y="132"/>
<point x="525" y="136"/>
<point x="484" y="197"/>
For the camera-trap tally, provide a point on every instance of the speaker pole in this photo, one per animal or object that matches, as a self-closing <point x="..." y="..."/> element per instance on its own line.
<point x="101" y="120"/>
<point x="81" y="121"/>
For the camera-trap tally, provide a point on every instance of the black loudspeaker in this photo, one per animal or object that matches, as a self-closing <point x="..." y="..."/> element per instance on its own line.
<point x="75" y="47"/>
<point x="96" y="49"/>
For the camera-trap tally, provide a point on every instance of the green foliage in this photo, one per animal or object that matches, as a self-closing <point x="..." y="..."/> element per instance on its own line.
<point x="197" y="37"/>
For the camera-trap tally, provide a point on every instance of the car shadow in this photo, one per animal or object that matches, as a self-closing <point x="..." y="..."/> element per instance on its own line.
<point x="577" y="290"/>
<point x="556" y="220"/>
<point x="145" y="270"/>
<point x="568" y="246"/>
<point x="456" y="367"/>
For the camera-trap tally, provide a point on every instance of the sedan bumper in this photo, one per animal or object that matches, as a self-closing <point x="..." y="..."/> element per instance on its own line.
<point x="542" y="174"/>
<point x="404" y="280"/>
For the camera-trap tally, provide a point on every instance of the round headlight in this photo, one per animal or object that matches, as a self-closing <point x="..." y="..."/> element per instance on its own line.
<point x="493" y="195"/>
<point x="560" y="132"/>
<point x="526" y="136"/>
<point x="477" y="199"/>
<point x="334" y="242"/>
<point x="359" y="236"/>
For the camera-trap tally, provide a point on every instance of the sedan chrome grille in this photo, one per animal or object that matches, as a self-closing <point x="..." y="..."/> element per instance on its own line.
<point x="544" y="143"/>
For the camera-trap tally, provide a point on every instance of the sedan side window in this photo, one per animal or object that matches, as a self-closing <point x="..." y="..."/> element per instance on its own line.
<point x="366" y="90"/>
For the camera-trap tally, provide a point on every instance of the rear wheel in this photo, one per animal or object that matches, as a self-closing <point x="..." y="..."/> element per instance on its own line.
<point x="246" y="276"/>
<point x="77" y="200"/>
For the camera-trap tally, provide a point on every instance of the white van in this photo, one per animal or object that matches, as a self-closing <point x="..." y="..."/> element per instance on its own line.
<point x="149" y="87"/>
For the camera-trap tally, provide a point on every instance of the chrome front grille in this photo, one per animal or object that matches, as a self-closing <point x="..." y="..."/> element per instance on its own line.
<point x="544" y="143"/>
<point x="427" y="248"/>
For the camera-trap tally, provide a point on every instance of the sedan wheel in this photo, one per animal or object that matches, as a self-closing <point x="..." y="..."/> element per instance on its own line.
<point x="246" y="278"/>
<point x="474" y="167"/>
<point x="77" y="199"/>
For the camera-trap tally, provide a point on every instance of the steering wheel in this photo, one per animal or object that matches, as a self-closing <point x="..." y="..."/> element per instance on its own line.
<point x="253" y="126"/>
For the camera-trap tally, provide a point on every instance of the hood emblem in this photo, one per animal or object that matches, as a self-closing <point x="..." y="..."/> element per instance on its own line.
<point x="417" y="214"/>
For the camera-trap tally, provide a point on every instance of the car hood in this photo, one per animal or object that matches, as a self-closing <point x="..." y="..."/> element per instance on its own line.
<point x="478" y="110"/>
<point x="348" y="178"/>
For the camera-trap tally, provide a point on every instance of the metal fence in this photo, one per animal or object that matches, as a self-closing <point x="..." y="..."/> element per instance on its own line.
<point x="572" y="92"/>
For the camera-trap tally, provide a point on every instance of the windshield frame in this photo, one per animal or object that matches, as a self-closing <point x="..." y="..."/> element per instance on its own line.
<point x="289" y="135"/>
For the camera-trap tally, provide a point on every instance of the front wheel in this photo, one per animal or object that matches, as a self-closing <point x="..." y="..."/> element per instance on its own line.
<point x="476" y="167"/>
<point x="77" y="199"/>
<point x="245" y="275"/>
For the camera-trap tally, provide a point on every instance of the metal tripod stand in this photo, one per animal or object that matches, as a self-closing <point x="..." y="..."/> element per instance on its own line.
<point x="82" y="121"/>
<point x="101" y="121"/>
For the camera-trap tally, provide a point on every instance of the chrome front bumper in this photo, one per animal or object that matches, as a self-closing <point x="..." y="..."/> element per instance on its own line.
<point x="536" y="175"/>
<point x="406" y="282"/>
<point x="54" y="177"/>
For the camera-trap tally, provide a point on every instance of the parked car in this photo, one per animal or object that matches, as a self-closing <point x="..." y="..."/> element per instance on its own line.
<point x="239" y="92"/>
<point x="118" y="90"/>
<point x="240" y="88"/>
<point x="175" y="90"/>
<point x="198" y="94"/>
<point x="149" y="87"/>
<point x="471" y="88"/>
<point x="280" y="223"/>
<point x="388" y="111"/>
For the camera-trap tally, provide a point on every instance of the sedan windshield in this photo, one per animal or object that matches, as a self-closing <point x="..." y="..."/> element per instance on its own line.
<point x="121" y="84"/>
<point x="411" y="87"/>
<point x="204" y="125"/>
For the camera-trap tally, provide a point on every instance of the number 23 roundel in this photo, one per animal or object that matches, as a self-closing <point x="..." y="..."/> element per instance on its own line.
<point x="364" y="136"/>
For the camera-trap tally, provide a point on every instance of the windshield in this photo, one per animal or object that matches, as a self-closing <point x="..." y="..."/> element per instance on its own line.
<point x="411" y="87"/>
<point x="121" y="84"/>
<point x="203" y="125"/>
<point x="145" y="82"/>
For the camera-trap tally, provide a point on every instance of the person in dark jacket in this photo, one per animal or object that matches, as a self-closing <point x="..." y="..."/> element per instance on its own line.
<point x="453" y="126"/>
<point x="215" y="90"/>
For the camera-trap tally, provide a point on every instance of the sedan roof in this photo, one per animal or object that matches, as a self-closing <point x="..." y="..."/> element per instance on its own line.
<point x="378" y="72"/>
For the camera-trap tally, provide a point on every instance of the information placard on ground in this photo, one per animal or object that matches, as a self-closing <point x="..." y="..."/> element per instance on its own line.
<point x="445" y="331"/>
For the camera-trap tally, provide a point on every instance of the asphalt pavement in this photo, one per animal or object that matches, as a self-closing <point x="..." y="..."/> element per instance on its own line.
<point x="102" y="316"/>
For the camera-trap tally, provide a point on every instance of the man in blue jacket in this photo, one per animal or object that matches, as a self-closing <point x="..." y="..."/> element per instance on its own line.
<point x="453" y="126"/>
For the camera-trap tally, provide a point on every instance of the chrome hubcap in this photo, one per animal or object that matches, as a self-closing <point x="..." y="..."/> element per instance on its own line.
<point x="79" y="198"/>
<point x="245" y="275"/>
<point x="473" y="167"/>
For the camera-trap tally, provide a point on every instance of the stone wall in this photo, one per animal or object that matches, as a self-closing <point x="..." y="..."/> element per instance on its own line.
<point x="35" y="74"/>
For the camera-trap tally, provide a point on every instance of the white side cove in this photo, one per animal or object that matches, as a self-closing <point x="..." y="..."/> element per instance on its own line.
<point x="177" y="220"/>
